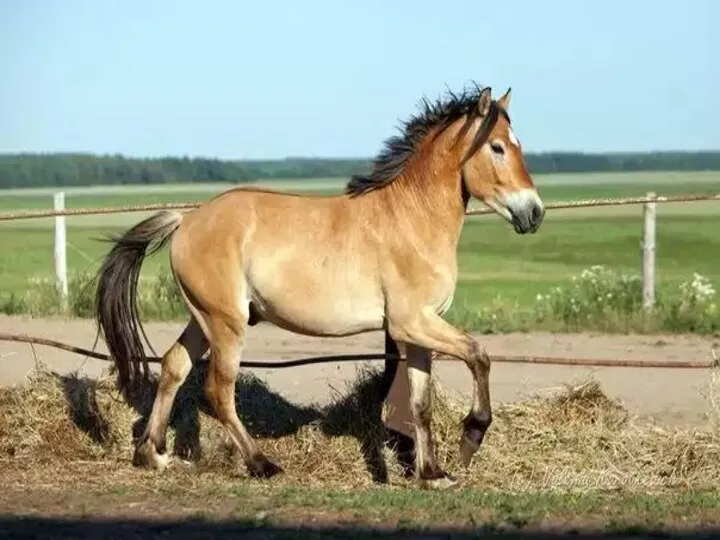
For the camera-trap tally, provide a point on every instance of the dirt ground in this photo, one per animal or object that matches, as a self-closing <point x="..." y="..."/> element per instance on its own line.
<point x="668" y="395"/>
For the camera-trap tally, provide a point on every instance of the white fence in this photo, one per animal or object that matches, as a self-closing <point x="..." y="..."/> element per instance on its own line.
<point x="60" y="251"/>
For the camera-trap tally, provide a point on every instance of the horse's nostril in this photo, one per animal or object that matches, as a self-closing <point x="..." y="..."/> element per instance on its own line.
<point x="537" y="214"/>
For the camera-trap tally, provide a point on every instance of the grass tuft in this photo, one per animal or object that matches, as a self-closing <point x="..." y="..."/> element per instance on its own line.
<point x="602" y="299"/>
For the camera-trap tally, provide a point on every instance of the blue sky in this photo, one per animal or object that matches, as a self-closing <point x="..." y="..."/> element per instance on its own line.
<point x="269" y="79"/>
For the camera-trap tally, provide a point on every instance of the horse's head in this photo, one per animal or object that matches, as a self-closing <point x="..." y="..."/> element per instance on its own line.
<point x="493" y="167"/>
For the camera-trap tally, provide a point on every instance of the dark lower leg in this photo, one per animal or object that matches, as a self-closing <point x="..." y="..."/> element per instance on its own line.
<point x="478" y="420"/>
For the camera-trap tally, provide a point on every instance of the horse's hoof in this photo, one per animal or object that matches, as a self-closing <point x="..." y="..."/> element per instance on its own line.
<point x="467" y="450"/>
<point x="264" y="468"/>
<point x="147" y="456"/>
<point x="475" y="427"/>
<point x="439" y="483"/>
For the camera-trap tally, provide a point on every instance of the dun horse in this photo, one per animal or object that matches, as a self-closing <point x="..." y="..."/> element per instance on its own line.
<point x="380" y="256"/>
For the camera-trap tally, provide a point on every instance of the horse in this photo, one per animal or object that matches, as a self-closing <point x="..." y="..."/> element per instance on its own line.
<point x="381" y="255"/>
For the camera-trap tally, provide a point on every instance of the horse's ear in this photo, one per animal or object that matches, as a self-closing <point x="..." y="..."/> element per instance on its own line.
<point x="504" y="101"/>
<point x="484" y="101"/>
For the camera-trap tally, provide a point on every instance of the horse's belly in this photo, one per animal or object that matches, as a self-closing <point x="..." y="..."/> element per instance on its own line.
<point x="321" y="316"/>
<point x="318" y="310"/>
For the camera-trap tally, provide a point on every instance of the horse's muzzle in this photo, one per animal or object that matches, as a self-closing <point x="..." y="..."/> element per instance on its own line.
<point x="528" y="218"/>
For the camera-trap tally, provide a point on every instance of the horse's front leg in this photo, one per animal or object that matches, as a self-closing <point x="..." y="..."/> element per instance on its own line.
<point x="429" y="331"/>
<point x="478" y="420"/>
<point x="427" y="471"/>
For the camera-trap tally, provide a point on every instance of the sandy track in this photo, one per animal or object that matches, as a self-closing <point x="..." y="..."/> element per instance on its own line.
<point x="669" y="395"/>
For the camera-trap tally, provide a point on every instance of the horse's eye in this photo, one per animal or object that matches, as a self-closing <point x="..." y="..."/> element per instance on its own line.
<point x="497" y="148"/>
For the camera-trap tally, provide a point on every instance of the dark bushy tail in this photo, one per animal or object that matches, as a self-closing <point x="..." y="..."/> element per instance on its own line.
<point x="116" y="309"/>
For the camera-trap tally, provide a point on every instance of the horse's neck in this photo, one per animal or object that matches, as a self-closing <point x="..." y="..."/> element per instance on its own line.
<point x="427" y="209"/>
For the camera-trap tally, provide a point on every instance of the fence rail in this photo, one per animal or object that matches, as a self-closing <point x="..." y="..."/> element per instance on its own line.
<point x="503" y="359"/>
<point x="583" y="203"/>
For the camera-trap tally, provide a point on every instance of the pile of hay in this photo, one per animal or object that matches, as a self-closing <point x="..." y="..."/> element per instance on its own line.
<point x="576" y="439"/>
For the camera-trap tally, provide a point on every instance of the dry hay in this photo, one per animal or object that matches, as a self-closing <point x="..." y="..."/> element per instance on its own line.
<point x="575" y="439"/>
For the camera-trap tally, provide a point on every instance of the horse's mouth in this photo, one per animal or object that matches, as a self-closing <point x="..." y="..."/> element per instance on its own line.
<point x="523" y="210"/>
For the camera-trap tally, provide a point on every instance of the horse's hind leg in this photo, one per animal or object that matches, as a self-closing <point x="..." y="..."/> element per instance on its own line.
<point x="151" y="449"/>
<point x="226" y="347"/>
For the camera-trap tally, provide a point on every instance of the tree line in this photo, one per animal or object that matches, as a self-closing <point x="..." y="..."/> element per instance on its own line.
<point x="46" y="170"/>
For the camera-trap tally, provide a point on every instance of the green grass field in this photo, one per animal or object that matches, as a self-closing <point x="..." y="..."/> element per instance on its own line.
<point x="494" y="261"/>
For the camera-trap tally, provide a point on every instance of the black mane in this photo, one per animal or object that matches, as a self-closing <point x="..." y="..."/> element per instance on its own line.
<point x="442" y="113"/>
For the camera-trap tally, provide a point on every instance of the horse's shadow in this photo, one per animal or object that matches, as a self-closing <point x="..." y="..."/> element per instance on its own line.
<point x="265" y="413"/>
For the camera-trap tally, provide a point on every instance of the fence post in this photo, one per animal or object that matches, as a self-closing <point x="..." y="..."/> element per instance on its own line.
<point x="648" y="248"/>
<point x="60" y="250"/>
